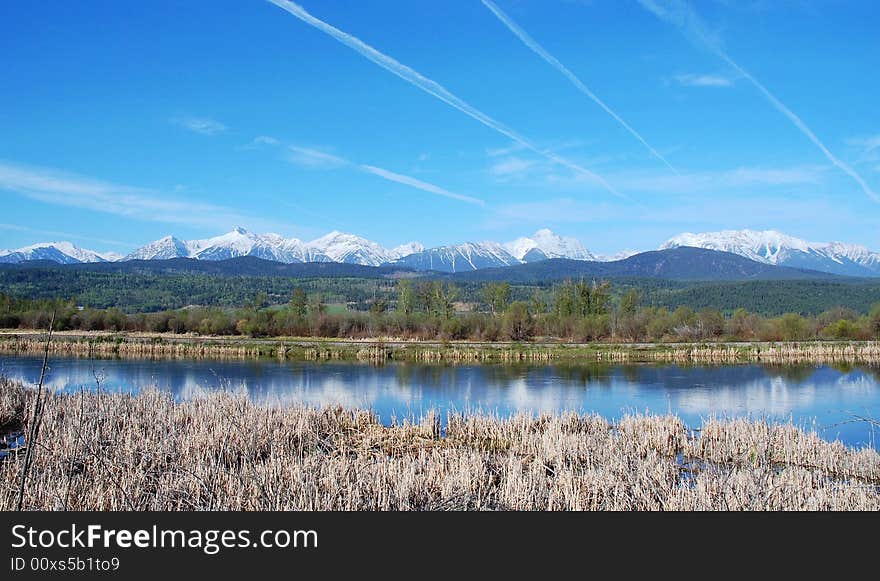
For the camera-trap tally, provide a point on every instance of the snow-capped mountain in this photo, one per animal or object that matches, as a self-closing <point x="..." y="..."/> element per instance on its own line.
<point x="163" y="249"/>
<point x="622" y="255"/>
<point x="768" y="247"/>
<point x="545" y="244"/>
<point x="60" y="252"/>
<point x="240" y="242"/>
<point x="460" y="257"/>
<point x="334" y="247"/>
<point x="351" y="249"/>
<point x="772" y="247"/>
<point x="405" y="250"/>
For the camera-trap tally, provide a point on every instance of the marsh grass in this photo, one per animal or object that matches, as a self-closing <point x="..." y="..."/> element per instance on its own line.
<point x="381" y="351"/>
<point x="103" y="451"/>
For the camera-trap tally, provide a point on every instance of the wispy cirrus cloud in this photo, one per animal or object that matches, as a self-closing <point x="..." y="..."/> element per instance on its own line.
<point x="512" y="167"/>
<point x="553" y="211"/>
<point x="201" y="125"/>
<point x="435" y="89"/>
<point x="60" y="188"/>
<point x="695" y="80"/>
<point x="530" y="42"/>
<point x="500" y="151"/>
<point x="680" y="14"/>
<point x="740" y="179"/>
<point x="528" y="172"/>
<point x="260" y="141"/>
<point x="317" y="159"/>
<point x="65" y="235"/>
<point x="778" y="212"/>
<point x="868" y="148"/>
<point x="314" y="158"/>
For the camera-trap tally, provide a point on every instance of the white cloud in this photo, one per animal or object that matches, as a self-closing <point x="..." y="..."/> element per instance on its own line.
<point x="539" y="174"/>
<point x="314" y="158"/>
<point x="266" y="140"/>
<point x="64" y="189"/>
<point x="556" y="211"/>
<point x="500" y="151"/>
<point x="201" y="125"/>
<point x="64" y="235"/>
<point x="512" y="167"/>
<point x="693" y="80"/>
<point x="711" y="182"/>
<point x="259" y="141"/>
<point x="691" y="213"/>
<point x="869" y="148"/>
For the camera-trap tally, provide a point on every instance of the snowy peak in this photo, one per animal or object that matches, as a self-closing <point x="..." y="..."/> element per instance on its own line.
<point x="622" y="255"/>
<point x="768" y="246"/>
<point x="61" y="252"/>
<point x="406" y="250"/>
<point x="239" y="242"/>
<point x="772" y="247"/>
<point x="162" y="249"/>
<point x="460" y="257"/>
<point x="350" y="249"/>
<point x="546" y="244"/>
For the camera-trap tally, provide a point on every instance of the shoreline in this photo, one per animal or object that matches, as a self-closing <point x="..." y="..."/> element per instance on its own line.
<point x="221" y="452"/>
<point x="382" y="350"/>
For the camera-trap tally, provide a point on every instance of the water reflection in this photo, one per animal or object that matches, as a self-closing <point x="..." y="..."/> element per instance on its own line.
<point x="819" y="396"/>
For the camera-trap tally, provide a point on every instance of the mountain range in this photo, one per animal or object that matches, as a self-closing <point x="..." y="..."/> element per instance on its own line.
<point x="766" y="247"/>
<point x="772" y="247"/>
<point x="60" y="252"/>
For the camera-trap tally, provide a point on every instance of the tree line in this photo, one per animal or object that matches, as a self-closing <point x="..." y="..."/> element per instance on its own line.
<point x="580" y="311"/>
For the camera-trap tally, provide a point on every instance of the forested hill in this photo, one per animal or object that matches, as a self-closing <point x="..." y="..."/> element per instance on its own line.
<point x="683" y="264"/>
<point x="147" y="291"/>
<point x="241" y="266"/>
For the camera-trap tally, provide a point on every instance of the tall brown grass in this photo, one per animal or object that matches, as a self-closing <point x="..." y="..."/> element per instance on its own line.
<point x="790" y="353"/>
<point x="101" y="451"/>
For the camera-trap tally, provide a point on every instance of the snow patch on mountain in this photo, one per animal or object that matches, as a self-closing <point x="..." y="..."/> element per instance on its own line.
<point x="546" y="244"/>
<point x="773" y="247"/>
<point x="61" y="252"/>
<point x="351" y="249"/>
<point x="622" y="255"/>
<point x="163" y="249"/>
<point x="460" y="257"/>
<point x="405" y="250"/>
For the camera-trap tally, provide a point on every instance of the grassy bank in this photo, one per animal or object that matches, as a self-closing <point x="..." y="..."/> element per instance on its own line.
<point x="99" y="451"/>
<point x="162" y="346"/>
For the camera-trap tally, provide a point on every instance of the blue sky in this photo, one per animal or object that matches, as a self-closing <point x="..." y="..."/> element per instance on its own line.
<point x="121" y="122"/>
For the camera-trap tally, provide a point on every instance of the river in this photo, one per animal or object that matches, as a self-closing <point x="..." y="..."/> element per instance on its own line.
<point x="828" y="399"/>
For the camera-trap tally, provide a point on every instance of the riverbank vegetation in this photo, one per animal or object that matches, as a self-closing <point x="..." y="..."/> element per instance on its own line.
<point x="102" y="451"/>
<point x="574" y="311"/>
<point x="142" y="287"/>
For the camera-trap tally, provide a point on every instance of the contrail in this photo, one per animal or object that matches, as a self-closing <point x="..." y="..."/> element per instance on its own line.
<point x="554" y="62"/>
<point x="686" y="19"/>
<point x="419" y="184"/>
<point x="433" y="88"/>
<point x="319" y="159"/>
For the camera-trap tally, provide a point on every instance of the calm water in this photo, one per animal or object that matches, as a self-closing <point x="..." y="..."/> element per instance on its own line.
<point x="820" y="397"/>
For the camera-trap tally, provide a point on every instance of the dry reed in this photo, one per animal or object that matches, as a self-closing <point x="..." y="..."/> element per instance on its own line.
<point x="378" y="352"/>
<point x="101" y="451"/>
<point x="788" y="353"/>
